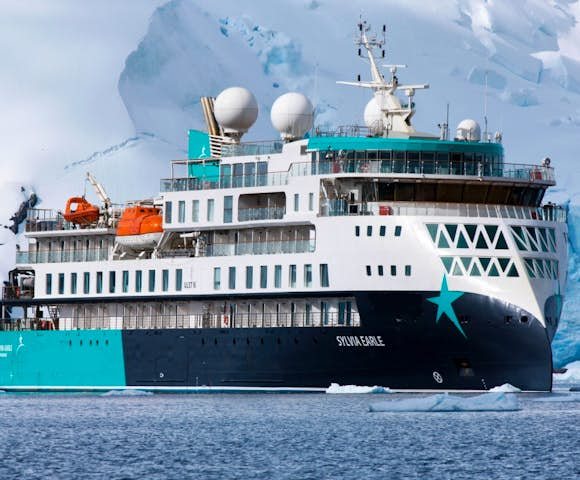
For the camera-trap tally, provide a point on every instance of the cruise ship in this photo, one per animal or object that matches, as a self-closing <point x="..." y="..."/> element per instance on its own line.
<point x="366" y="255"/>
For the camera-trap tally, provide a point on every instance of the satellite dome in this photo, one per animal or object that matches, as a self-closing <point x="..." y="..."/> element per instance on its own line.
<point x="373" y="117"/>
<point x="236" y="110"/>
<point x="468" y="130"/>
<point x="292" y="115"/>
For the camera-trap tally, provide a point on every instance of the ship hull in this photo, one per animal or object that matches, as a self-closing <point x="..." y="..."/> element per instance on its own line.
<point x="400" y="344"/>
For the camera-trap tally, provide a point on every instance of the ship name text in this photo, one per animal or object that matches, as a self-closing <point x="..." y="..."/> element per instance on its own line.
<point x="360" y="341"/>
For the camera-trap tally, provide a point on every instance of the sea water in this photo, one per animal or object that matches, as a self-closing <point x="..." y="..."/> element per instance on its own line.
<point x="282" y="436"/>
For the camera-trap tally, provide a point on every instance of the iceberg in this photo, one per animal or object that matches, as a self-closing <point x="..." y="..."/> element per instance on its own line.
<point x="572" y="374"/>
<point x="556" y="398"/>
<point x="443" y="402"/>
<point x="126" y="393"/>
<point x="336" y="388"/>
<point x="505" y="388"/>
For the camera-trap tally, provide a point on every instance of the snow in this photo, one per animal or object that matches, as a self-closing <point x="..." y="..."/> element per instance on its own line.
<point x="126" y="393"/>
<point x="112" y="87"/>
<point x="505" y="388"/>
<point x="488" y="402"/>
<point x="336" y="388"/>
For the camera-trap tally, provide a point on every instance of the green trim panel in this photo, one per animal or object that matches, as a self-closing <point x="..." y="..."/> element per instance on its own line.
<point x="402" y="144"/>
<point x="54" y="358"/>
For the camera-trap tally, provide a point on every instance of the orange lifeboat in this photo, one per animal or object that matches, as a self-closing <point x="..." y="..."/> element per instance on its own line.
<point x="80" y="212"/>
<point x="140" y="227"/>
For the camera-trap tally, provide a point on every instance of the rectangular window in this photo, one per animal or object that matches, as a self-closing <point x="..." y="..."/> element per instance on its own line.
<point x="178" y="280"/>
<point x="357" y="231"/>
<point x="324" y="281"/>
<point x="307" y="314"/>
<point x="61" y="283"/>
<point x="324" y="313"/>
<point x="398" y="229"/>
<point x="344" y="313"/>
<point x="99" y="282"/>
<point x="263" y="276"/>
<point x="369" y="231"/>
<point x="296" y="202"/>
<point x="181" y="211"/>
<point x="311" y="202"/>
<point x="369" y="271"/>
<point x="393" y="270"/>
<point x="151" y="280"/>
<point x="308" y="275"/>
<point x="238" y="175"/>
<point x="86" y="282"/>
<point x="165" y="280"/>
<point x="138" y="280"/>
<point x="381" y="270"/>
<point x="48" y="283"/>
<point x="73" y="283"/>
<point x="228" y="207"/>
<point x="217" y="280"/>
<point x="407" y="270"/>
<point x="249" y="174"/>
<point x="195" y="211"/>
<point x="226" y="176"/>
<point x="125" y="286"/>
<point x="210" y="208"/>
<point x="278" y="276"/>
<point x="382" y="231"/>
<point x="292" y="276"/>
<point x="249" y="277"/>
<point x="232" y="278"/>
<point x="111" y="282"/>
<point x="262" y="173"/>
<point x="167" y="212"/>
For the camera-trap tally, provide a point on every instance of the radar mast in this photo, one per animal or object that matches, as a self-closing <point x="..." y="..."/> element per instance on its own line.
<point x="395" y="117"/>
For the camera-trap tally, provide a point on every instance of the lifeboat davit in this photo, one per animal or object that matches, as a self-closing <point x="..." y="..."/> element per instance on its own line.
<point x="140" y="227"/>
<point x="80" y="212"/>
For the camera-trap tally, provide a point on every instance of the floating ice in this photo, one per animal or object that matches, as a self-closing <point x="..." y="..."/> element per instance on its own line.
<point x="126" y="393"/>
<point x="572" y="374"/>
<point x="557" y="398"/>
<point x="505" y="388"/>
<point x="336" y="388"/>
<point x="443" y="402"/>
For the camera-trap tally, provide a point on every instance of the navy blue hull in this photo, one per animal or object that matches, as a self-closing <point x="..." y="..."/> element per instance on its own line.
<point x="503" y="344"/>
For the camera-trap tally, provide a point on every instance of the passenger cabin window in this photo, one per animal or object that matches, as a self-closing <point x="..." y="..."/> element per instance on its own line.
<point x="296" y="202"/>
<point x="151" y="280"/>
<point x="278" y="276"/>
<point x="165" y="280"/>
<point x="324" y="280"/>
<point x="181" y="211"/>
<point x="125" y="286"/>
<point x="210" y="209"/>
<point x="249" y="277"/>
<point x="264" y="276"/>
<point x="48" y="285"/>
<point x="307" y="275"/>
<point x="99" y="282"/>
<point x="61" y="283"/>
<point x="111" y="282"/>
<point x="292" y="276"/>
<point x="228" y="208"/>
<point x="232" y="278"/>
<point x="138" y="281"/>
<point x="73" y="283"/>
<point x="195" y="211"/>
<point x="178" y="280"/>
<point x="311" y="202"/>
<point x="217" y="272"/>
<point x="167" y="212"/>
<point x="398" y="230"/>
<point x="86" y="282"/>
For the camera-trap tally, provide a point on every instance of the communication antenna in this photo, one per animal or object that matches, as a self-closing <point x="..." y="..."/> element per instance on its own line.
<point x="485" y="132"/>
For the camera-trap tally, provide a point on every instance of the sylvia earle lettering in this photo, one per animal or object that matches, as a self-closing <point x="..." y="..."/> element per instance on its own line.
<point x="360" y="341"/>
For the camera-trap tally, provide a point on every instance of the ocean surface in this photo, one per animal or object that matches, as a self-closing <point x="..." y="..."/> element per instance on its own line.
<point x="281" y="436"/>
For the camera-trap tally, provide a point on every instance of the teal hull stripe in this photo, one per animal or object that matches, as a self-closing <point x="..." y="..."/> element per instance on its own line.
<point x="402" y="144"/>
<point x="65" y="360"/>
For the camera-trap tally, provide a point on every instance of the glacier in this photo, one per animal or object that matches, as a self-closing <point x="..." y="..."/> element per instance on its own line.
<point x="114" y="87"/>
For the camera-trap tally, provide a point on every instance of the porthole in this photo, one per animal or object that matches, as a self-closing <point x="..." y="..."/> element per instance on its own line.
<point x="247" y="341"/>
<point x="91" y="343"/>
<point x="234" y="341"/>
<point x="215" y="341"/>
<point x="81" y="343"/>
<point x="262" y="341"/>
<point x="97" y="343"/>
<point x="524" y="319"/>
<point x="279" y="341"/>
<point x="70" y="343"/>
<point x="106" y="342"/>
<point x="202" y="341"/>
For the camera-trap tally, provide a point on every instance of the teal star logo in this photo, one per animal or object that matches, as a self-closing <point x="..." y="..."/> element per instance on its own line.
<point x="444" y="301"/>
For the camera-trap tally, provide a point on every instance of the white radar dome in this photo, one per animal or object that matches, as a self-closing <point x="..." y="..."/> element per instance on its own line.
<point x="373" y="117"/>
<point x="468" y="130"/>
<point x="292" y="115"/>
<point x="236" y="110"/>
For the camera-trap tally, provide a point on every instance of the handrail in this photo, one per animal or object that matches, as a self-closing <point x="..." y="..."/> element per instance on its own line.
<point x="194" y="321"/>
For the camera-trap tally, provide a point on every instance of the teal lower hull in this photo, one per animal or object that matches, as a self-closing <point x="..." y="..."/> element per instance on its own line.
<point x="67" y="360"/>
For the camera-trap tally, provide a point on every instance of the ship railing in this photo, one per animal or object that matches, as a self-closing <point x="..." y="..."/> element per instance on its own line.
<point x="263" y="213"/>
<point x="224" y="181"/>
<point x="64" y="256"/>
<point x="266" y="147"/>
<point x="367" y="163"/>
<point x="344" y="131"/>
<point x="243" y="248"/>
<point x="341" y="207"/>
<point x="197" y="321"/>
